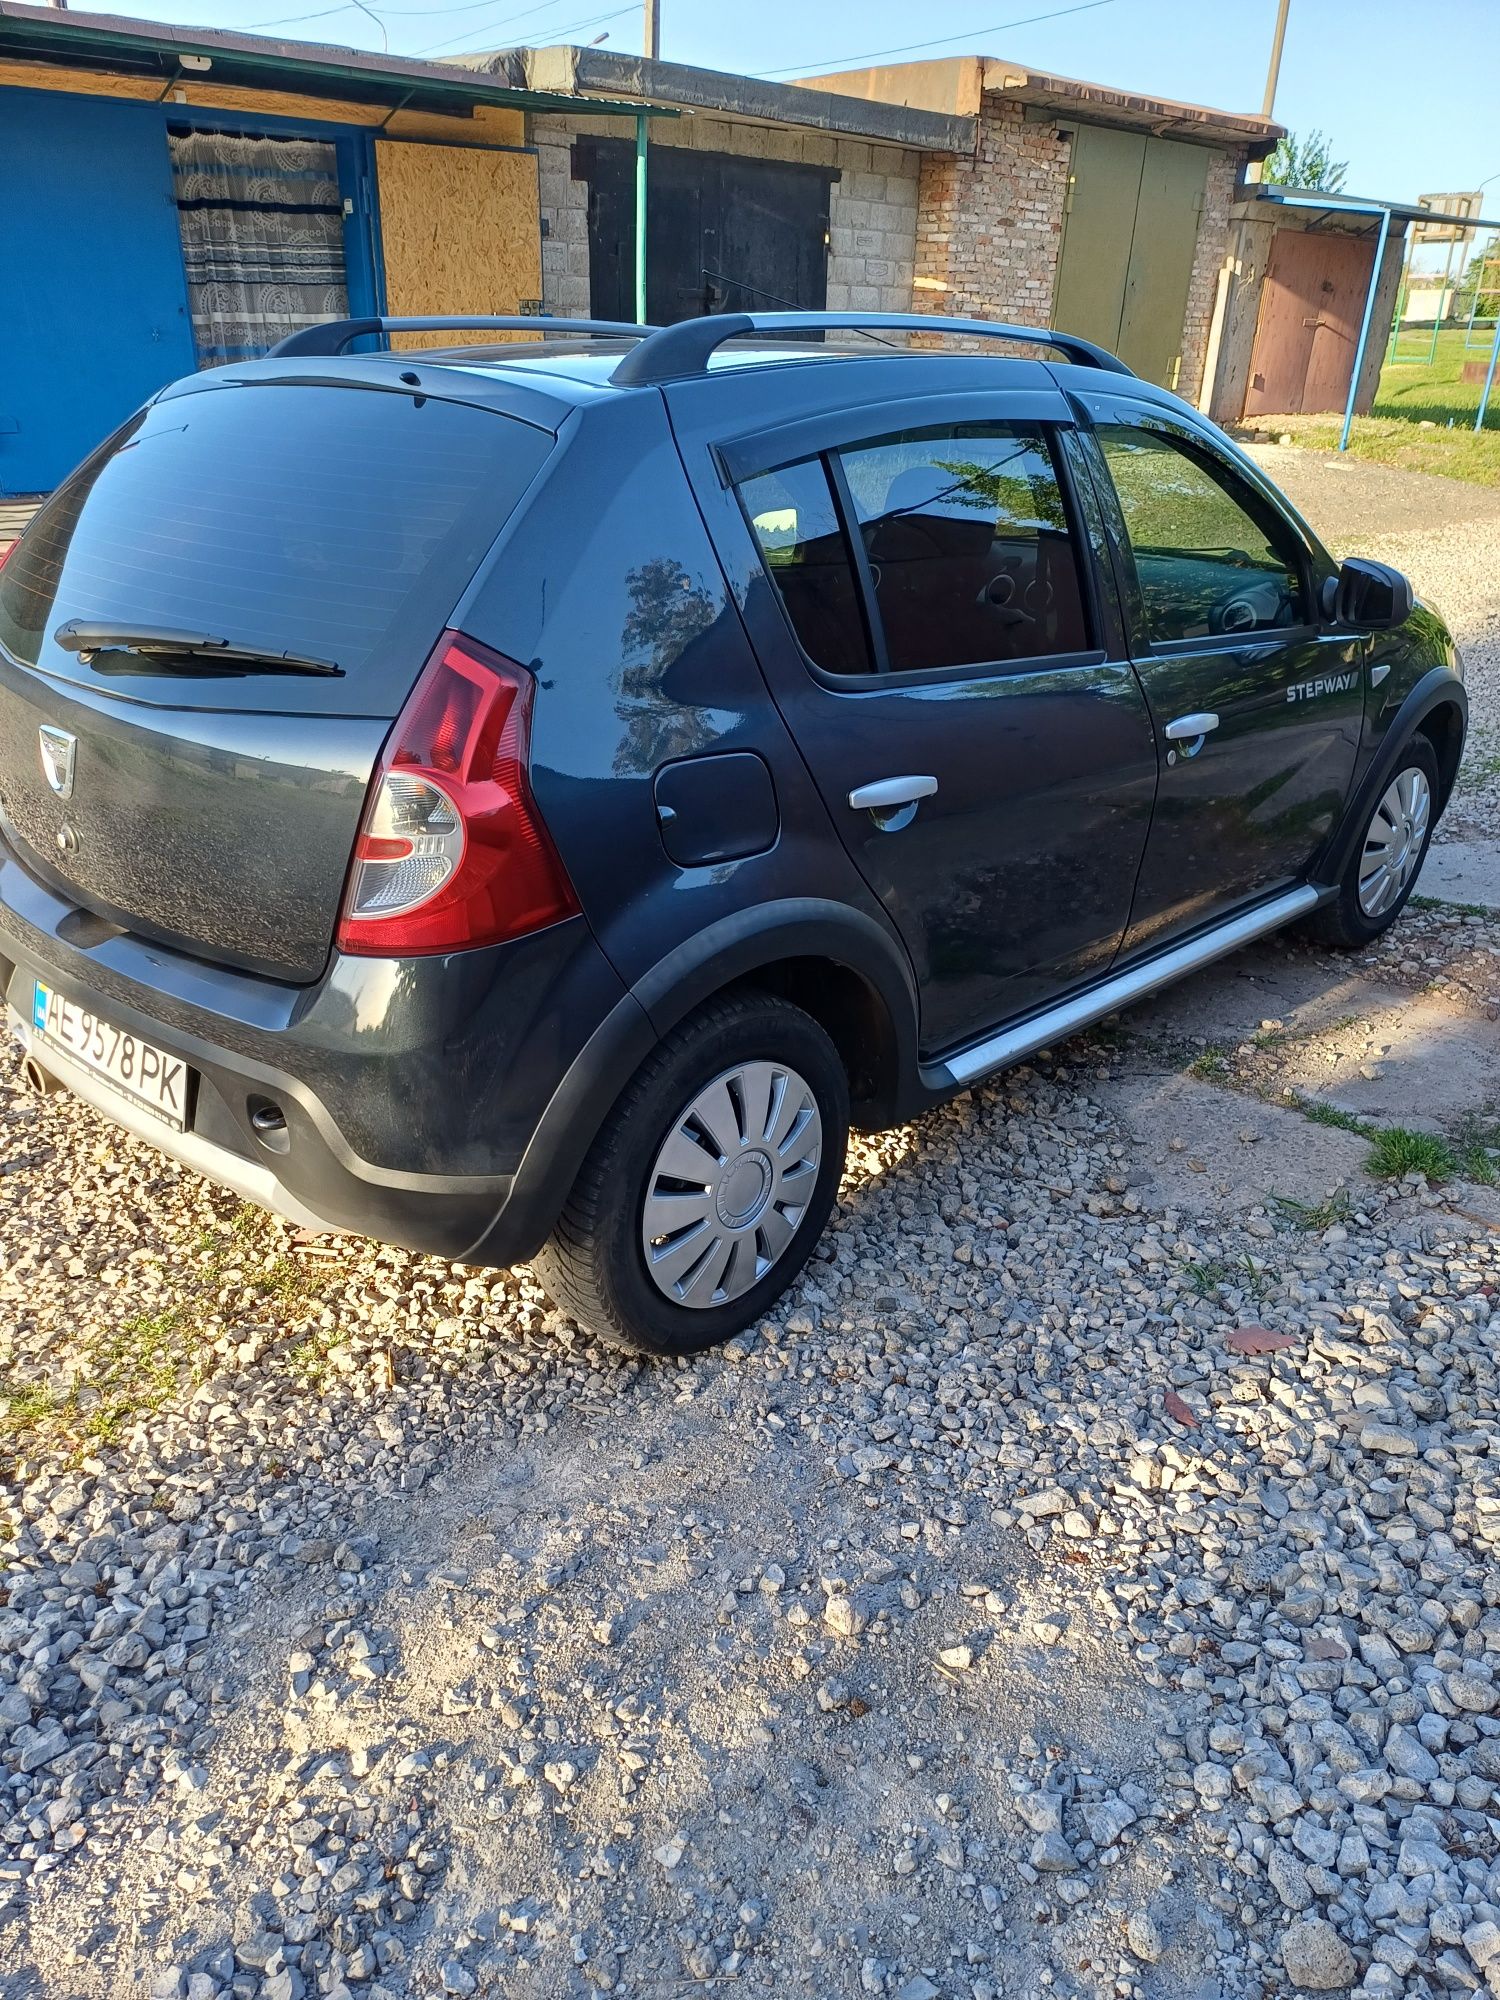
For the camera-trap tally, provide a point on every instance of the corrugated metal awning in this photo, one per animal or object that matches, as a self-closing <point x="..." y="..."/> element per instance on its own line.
<point x="115" y="44"/>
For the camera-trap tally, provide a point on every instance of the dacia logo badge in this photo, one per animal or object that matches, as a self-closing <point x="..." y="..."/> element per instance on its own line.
<point x="59" y="756"/>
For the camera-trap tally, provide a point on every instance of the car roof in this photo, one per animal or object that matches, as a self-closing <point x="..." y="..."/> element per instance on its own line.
<point x="544" y="381"/>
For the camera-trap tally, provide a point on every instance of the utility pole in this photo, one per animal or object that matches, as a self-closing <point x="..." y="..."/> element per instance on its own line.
<point x="1255" y="171"/>
<point x="651" y="39"/>
<point x="1273" y="74"/>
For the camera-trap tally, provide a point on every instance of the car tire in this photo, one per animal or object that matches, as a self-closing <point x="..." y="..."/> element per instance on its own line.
<point x="1384" y="866"/>
<point x="709" y="1183"/>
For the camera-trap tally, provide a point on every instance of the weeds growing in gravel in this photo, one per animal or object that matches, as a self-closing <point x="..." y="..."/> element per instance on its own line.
<point x="1314" y="1216"/>
<point x="1206" y="1276"/>
<point x="1477" y="1148"/>
<point x="1211" y="1065"/>
<point x="129" y="1369"/>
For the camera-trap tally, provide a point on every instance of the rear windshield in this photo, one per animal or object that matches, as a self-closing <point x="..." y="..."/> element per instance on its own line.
<point x="339" y="524"/>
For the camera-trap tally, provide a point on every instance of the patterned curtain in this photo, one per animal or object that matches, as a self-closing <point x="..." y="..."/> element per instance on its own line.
<point x="262" y="226"/>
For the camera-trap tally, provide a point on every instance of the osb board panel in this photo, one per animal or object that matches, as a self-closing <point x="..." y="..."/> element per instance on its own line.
<point x="461" y="230"/>
<point x="491" y="124"/>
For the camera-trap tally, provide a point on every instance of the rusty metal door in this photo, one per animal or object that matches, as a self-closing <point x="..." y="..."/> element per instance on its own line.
<point x="1310" y="309"/>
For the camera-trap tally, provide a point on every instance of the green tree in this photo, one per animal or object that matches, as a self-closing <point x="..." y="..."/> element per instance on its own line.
<point x="1306" y="163"/>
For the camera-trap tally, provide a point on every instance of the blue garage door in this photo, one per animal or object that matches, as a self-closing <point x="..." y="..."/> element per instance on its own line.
<point x="96" y="308"/>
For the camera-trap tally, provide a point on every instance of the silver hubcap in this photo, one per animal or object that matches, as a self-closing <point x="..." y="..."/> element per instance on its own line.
<point x="1393" y="845"/>
<point x="730" y="1184"/>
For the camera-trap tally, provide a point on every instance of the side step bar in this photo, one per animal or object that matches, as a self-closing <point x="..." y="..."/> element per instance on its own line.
<point x="1013" y="1045"/>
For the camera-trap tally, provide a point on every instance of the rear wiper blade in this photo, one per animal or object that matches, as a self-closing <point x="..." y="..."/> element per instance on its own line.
<point x="86" y="637"/>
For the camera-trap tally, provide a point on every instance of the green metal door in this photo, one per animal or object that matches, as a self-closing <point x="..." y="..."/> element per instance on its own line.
<point x="1161" y="259"/>
<point x="1104" y="187"/>
<point x="1129" y="234"/>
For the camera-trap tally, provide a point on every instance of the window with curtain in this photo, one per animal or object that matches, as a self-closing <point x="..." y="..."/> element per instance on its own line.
<point x="262" y="225"/>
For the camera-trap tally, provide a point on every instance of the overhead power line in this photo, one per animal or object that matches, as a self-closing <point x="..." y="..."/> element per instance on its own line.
<point x="553" y="34"/>
<point x="940" y="41"/>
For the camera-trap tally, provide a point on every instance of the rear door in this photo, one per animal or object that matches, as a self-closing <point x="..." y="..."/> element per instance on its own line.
<point x="96" y="305"/>
<point x="918" y="582"/>
<point x="1258" y="702"/>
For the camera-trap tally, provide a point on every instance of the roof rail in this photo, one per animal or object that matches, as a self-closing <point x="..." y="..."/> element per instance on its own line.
<point x="334" y="335"/>
<point x="676" y="352"/>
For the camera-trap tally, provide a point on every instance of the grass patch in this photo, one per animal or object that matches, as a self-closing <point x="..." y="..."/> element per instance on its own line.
<point x="1450" y="909"/>
<point x="1410" y="394"/>
<point x="26" y="1408"/>
<point x="1395" y="1151"/>
<point x="1318" y="1112"/>
<point x="1460" y="453"/>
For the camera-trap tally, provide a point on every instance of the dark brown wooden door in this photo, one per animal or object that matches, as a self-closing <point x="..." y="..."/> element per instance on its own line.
<point x="1310" y="308"/>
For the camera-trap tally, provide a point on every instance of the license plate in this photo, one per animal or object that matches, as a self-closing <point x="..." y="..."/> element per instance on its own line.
<point x="148" y="1076"/>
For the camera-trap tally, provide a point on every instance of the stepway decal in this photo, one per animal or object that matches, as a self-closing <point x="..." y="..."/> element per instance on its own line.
<point x="1310" y="690"/>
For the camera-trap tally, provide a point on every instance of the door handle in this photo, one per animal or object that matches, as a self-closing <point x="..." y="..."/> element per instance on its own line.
<point x="892" y="802"/>
<point x="883" y="793"/>
<point x="1191" y="731"/>
<point x="1188" y="726"/>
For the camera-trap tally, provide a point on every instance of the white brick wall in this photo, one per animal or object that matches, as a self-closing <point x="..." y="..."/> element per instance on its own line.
<point x="872" y="218"/>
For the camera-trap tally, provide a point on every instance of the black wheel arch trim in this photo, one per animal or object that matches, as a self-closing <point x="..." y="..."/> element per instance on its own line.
<point x="725" y="954"/>
<point x="1438" y="688"/>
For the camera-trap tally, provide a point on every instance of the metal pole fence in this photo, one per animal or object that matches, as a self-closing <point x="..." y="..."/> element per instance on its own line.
<point x="1364" y="327"/>
<point x="1489" y="380"/>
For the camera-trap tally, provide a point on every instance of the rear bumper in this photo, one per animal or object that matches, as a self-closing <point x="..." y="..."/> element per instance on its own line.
<point x="442" y="1104"/>
<point x="330" y="1198"/>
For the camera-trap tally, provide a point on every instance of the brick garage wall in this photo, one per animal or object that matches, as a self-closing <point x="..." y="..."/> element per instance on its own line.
<point x="1208" y="261"/>
<point x="989" y="228"/>
<point x="872" y="223"/>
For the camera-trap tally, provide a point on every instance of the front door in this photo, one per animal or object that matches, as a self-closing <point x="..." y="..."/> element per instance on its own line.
<point x="927" y="620"/>
<point x="1258" y="705"/>
<point x="96" y="305"/>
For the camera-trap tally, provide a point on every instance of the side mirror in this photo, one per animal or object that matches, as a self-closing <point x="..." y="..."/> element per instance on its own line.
<point x="1371" y="595"/>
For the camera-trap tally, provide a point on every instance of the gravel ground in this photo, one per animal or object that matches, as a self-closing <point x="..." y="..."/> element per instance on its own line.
<point x="1087" y="1584"/>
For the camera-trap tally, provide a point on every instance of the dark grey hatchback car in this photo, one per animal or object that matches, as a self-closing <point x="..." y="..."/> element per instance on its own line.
<point x="526" y="800"/>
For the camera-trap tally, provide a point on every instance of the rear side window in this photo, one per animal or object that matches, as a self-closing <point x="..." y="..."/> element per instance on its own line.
<point x="962" y="534"/>
<point x="796" y="523"/>
<point x="1211" y="557"/>
<point x="342" y="524"/>
<point x="968" y="547"/>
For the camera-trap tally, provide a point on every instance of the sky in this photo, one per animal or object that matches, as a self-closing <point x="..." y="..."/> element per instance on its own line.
<point x="1406" y="90"/>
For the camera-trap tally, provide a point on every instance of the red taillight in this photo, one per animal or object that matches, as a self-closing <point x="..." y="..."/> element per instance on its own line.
<point x="452" y="852"/>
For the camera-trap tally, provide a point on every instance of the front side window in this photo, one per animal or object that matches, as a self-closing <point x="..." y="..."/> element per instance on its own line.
<point x="1211" y="558"/>
<point x="968" y="547"/>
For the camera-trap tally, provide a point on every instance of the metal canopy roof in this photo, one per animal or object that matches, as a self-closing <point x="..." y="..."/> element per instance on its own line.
<point x="114" y="43"/>
<point x="1333" y="204"/>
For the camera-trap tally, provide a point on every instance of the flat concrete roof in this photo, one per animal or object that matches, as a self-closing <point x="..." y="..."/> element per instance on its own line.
<point x="592" y="73"/>
<point x="959" y="85"/>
